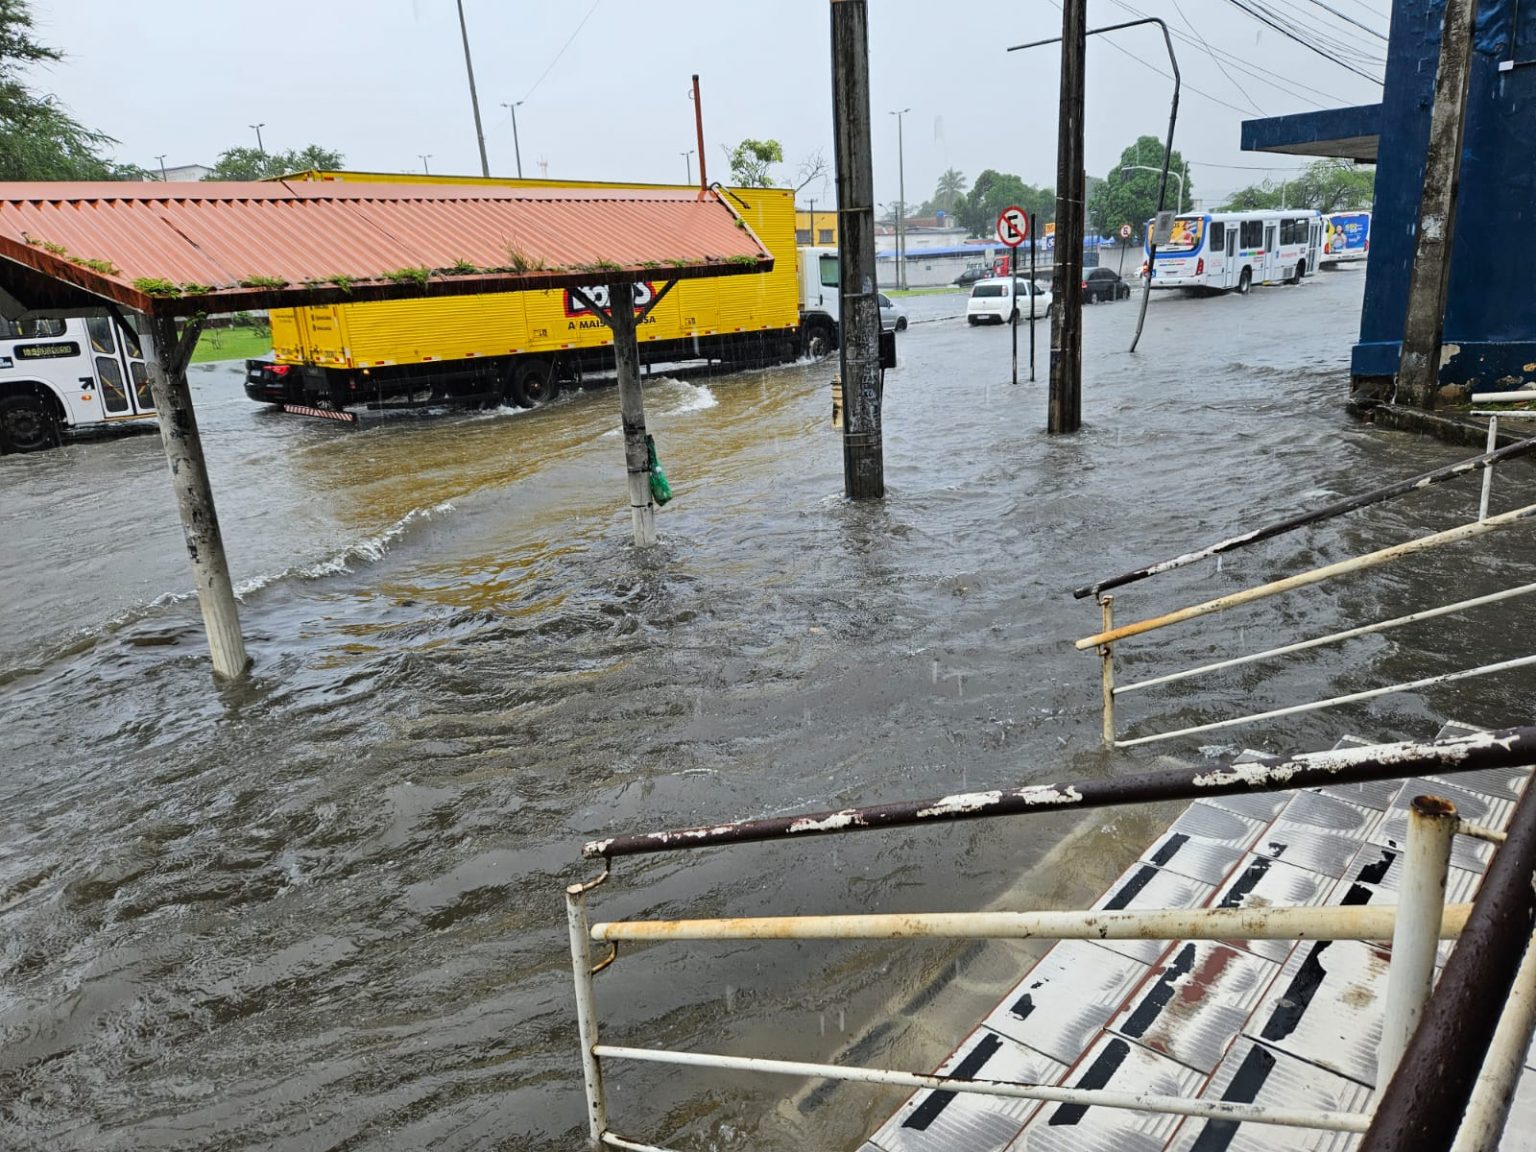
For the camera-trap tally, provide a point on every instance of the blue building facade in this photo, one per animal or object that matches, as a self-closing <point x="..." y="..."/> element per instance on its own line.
<point x="1490" y="318"/>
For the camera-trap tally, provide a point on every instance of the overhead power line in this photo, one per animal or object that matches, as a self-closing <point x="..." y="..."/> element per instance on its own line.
<point x="1348" y="19"/>
<point x="1271" y="20"/>
<point x="1215" y="60"/>
<point x="569" y="41"/>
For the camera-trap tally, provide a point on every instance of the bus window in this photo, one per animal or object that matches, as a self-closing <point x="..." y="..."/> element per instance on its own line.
<point x="30" y="329"/>
<point x="1218" y="235"/>
<point x="1186" y="235"/>
<point x="99" y="329"/>
<point x="1251" y="234"/>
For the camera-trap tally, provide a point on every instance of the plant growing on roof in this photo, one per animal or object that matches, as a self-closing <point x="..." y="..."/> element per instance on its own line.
<point x="343" y="281"/>
<point x="55" y="249"/>
<point x="193" y="288"/>
<point x="105" y="267"/>
<point x="742" y="261"/>
<point x="517" y="260"/>
<point x="155" y="286"/>
<point x="408" y="275"/>
<point x="263" y="282"/>
<point x="460" y="267"/>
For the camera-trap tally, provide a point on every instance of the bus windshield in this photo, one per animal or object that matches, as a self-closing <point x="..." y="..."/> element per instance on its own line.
<point x="1187" y="231"/>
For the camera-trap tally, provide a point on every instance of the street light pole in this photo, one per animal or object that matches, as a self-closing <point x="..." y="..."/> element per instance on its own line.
<point x="164" y="179"/>
<point x="688" y="166"/>
<point x="258" y="128"/>
<point x="474" y="99"/>
<point x="1179" y="176"/>
<point x="901" y="203"/>
<point x="516" y="147"/>
<point x="424" y="158"/>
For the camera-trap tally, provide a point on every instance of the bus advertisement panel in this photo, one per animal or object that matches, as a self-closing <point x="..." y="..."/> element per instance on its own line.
<point x="1346" y="236"/>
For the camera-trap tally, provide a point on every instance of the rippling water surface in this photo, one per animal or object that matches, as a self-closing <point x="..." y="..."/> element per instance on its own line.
<point x="322" y="909"/>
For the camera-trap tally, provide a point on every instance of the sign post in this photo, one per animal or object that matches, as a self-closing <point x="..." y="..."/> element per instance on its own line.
<point x="1125" y="234"/>
<point x="1013" y="230"/>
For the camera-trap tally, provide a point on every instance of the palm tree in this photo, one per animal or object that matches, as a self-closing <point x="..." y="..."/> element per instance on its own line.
<point x="951" y="187"/>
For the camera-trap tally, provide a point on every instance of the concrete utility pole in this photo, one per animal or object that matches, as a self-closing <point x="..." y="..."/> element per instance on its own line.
<point x="1418" y="371"/>
<point x="165" y="359"/>
<point x="637" y="462"/>
<point x="474" y="98"/>
<point x="259" y="146"/>
<point x="517" y="149"/>
<point x="1065" y="410"/>
<point x="859" y="303"/>
<point x="688" y="166"/>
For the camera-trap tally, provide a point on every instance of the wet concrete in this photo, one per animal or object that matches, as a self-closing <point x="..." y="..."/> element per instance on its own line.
<point x="322" y="909"/>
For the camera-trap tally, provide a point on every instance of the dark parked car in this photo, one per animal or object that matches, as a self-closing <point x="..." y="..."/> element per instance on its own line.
<point x="1103" y="284"/>
<point x="972" y="273"/>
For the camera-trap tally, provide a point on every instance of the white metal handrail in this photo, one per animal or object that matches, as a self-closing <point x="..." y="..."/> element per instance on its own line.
<point x="1110" y="635"/>
<point x="1415" y="925"/>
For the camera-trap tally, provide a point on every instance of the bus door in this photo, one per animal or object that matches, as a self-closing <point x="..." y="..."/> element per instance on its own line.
<point x="1229" y="273"/>
<point x="1314" y="243"/>
<point x="1271" y="253"/>
<point x="122" y="379"/>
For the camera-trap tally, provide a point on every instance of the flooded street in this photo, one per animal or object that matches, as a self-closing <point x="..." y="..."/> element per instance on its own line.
<point x="323" y="909"/>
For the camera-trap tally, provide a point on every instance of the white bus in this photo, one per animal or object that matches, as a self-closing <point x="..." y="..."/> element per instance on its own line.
<point x="1217" y="251"/>
<point x="1346" y="237"/>
<point x="59" y="375"/>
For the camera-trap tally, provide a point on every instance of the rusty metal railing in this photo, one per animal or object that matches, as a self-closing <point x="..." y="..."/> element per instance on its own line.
<point x="1110" y="635"/>
<point x="1416" y="1029"/>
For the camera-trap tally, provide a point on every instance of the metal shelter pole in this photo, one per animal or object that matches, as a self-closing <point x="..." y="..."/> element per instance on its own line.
<point x="166" y="358"/>
<point x="859" y="304"/>
<point x="698" y="124"/>
<point x="1418" y="370"/>
<point x="626" y="357"/>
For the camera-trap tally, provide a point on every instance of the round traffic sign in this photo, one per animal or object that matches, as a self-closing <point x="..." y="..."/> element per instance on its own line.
<point x="1125" y="231"/>
<point x="1013" y="226"/>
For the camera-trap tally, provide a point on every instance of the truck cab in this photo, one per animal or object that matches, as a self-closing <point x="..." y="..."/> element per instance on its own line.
<point x="820" y="323"/>
<point x="59" y="375"/>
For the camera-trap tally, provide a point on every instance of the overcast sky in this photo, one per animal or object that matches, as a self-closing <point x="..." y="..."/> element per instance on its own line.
<point x="382" y="81"/>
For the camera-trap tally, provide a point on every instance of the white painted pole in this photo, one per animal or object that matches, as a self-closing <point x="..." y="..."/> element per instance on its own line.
<point x="166" y="358"/>
<point x="586" y="1009"/>
<point x="626" y="355"/>
<point x="1482" y="1127"/>
<point x="1420" y="906"/>
<point x="1493" y="442"/>
<point x="1107" y="669"/>
<point x="1085" y="1097"/>
<point x="1304" y="922"/>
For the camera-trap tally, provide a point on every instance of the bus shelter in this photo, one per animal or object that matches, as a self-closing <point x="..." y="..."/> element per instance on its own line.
<point x="163" y="257"/>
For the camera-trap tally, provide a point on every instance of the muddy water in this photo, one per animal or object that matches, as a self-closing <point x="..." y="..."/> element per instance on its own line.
<point x="322" y="910"/>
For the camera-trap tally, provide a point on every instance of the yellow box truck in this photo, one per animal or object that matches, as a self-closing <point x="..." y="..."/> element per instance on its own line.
<point x="520" y="347"/>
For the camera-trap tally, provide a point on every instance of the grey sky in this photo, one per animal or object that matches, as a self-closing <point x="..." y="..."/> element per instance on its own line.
<point x="383" y="81"/>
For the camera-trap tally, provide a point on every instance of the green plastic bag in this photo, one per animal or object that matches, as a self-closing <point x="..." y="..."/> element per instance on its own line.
<point x="661" y="491"/>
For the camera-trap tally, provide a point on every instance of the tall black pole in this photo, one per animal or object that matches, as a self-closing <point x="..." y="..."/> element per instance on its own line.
<point x="474" y="97"/>
<point x="1034" y="246"/>
<point x="1065" y="408"/>
<point x="859" y="303"/>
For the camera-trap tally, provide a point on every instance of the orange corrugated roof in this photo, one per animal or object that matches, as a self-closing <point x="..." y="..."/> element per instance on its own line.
<point x="272" y="245"/>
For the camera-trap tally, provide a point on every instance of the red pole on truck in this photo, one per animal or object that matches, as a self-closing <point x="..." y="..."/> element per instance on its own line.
<point x="698" y="121"/>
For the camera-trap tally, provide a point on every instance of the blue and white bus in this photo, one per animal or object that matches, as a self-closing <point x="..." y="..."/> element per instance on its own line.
<point x="1221" y="251"/>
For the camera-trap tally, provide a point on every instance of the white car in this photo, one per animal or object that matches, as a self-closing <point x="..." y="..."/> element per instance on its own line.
<point x="1004" y="298"/>
<point x="892" y="315"/>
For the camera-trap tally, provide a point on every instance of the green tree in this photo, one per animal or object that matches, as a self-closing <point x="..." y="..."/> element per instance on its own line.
<point x="254" y="164"/>
<point x="751" y="161"/>
<point x="1327" y="185"/>
<point x="992" y="192"/>
<point x="1128" y="192"/>
<point x="39" y="140"/>
<point x="948" y="193"/>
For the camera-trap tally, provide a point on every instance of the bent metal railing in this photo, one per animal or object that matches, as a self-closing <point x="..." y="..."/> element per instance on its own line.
<point x="1433" y="1048"/>
<point x="1111" y="634"/>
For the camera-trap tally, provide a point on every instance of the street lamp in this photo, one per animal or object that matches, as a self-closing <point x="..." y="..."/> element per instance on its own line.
<point x="164" y="179"/>
<point x="1179" y="176"/>
<point x="901" y="209"/>
<point x="688" y="165"/>
<point x="424" y="158"/>
<point x="258" y="128"/>
<point x="516" y="147"/>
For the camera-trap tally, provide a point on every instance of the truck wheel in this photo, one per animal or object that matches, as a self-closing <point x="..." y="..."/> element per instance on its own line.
<point x="818" y="341"/>
<point x="534" y="383"/>
<point x="27" y="424"/>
